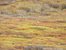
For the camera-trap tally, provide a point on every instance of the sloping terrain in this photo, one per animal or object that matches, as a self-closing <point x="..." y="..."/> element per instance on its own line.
<point x="31" y="23"/>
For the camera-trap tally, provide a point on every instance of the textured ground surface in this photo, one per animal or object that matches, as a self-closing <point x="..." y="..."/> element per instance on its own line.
<point x="26" y="24"/>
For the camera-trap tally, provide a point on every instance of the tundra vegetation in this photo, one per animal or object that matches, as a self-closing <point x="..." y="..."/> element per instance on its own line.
<point x="32" y="24"/>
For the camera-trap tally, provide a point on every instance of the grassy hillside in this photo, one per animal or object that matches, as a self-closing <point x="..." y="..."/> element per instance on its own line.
<point x="33" y="22"/>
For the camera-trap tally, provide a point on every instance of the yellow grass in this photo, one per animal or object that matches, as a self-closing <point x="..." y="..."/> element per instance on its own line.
<point x="16" y="31"/>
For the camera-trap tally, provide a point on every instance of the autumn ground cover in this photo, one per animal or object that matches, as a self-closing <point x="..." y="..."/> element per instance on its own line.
<point x="24" y="24"/>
